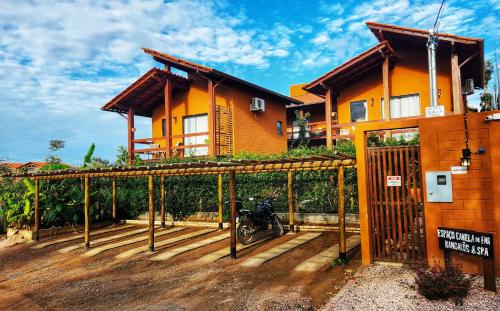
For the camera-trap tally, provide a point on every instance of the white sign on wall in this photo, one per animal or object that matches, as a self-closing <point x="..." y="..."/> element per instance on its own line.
<point x="393" y="181"/>
<point x="434" y="111"/>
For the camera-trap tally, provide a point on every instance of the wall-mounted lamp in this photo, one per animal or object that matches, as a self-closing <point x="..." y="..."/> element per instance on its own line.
<point x="466" y="157"/>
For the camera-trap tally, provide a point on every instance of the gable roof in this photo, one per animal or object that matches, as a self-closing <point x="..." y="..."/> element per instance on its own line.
<point x="467" y="48"/>
<point x="215" y="74"/>
<point x="351" y="69"/>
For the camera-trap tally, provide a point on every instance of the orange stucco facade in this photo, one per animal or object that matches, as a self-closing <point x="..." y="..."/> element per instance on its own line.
<point x="408" y="74"/>
<point x="251" y="131"/>
<point x="476" y="195"/>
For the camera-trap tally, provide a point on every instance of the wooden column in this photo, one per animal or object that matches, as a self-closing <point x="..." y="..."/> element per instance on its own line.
<point x="232" y="204"/>
<point x="131" y="137"/>
<point x="219" y="201"/>
<point x="212" y="111"/>
<point x="151" y="244"/>
<point x="168" y="112"/>
<point x="162" y="207"/>
<point x="113" y="199"/>
<point x="291" y="220"/>
<point x="386" y="86"/>
<point x="456" y="84"/>
<point x="328" y="117"/>
<point x="341" y="214"/>
<point x="86" y="212"/>
<point x="37" y="210"/>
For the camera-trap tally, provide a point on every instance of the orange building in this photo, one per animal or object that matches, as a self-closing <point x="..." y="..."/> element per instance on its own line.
<point x="394" y="71"/>
<point x="201" y="111"/>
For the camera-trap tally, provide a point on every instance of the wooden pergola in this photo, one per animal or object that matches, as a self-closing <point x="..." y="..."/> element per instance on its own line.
<point x="231" y="167"/>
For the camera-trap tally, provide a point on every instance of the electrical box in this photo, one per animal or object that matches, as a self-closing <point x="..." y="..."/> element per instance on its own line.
<point x="439" y="187"/>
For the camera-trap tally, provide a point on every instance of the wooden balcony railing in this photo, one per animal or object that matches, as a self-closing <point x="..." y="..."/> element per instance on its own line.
<point x="157" y="152"/>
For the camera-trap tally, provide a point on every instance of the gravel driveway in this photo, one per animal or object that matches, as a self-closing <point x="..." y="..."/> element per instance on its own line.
<point x="381" y="287"/>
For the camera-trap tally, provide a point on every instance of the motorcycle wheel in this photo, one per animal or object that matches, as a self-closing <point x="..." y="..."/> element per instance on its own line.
<point x="277" y="226"/>
<point x="245" y="232"/>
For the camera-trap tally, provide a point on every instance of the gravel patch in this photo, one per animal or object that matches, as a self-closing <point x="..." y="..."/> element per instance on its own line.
<point x="381" y="287"/>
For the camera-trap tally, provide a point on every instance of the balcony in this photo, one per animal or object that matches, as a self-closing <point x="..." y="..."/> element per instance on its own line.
<point x="182" y="145"/>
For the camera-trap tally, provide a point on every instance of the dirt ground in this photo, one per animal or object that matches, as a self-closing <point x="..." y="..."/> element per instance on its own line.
<point x="43" y="279"/>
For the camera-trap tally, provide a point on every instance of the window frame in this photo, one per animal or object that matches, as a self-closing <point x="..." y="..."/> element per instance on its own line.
<point x="365" y="103"/>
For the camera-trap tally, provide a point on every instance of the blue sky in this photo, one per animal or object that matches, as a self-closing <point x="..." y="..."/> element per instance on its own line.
<point x="60" y="61"/>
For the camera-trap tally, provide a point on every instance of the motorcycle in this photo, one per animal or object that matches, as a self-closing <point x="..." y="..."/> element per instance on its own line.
<point x="253" y="222"/>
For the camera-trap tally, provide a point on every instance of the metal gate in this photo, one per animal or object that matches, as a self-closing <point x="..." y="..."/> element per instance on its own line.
<point x="395" y="203"/>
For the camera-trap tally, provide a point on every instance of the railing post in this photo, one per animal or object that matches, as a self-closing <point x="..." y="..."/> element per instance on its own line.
<point x="291" y="220"/>
<point x="151" y="245"/>
<point x="113" y="199"/>
<point x="219" y="201"/>
<point x="86" y="212"/>
<point x="341" y="214"/>
<point x="232" y="203"/>
<point x="37" y="210"/>
<point x="162" y="207"/>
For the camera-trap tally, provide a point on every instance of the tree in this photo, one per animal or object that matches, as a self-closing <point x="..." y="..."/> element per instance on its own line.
<point x="301" y="121"/>
<point x="485" y="96"/>
<point x="54" y="146"/>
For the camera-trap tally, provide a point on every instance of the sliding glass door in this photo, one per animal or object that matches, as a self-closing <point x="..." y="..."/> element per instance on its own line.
<point x="192" y="125"/>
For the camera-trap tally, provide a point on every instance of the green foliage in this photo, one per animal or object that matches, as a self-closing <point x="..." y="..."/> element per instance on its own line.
<point x="486" y="97"/>
<point x="338" y="262"/>
<point x="301" y="122"/>
<point x="375" y="140"/>
<point x="15" y="206"/>
<point x="88" y="157"/>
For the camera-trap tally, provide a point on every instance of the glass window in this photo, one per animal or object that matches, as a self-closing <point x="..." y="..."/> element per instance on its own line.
<point x="192" y="125"/>
<point x="405" y="106"/>
<point x="279" y="128"/>
<point x="359" y="111"/>
<point x="163" y="127"/>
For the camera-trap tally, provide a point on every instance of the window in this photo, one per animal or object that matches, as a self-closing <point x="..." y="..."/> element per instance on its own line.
<point x="403" y="106"/>
<point x="192" y="125"/>
<point x="163" y="127"/>
<point x="279" y="128"/>
<point x="359" y="111"/>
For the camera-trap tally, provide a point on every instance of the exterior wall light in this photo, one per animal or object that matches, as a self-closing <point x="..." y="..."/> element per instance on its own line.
<point x="466" y="157"/>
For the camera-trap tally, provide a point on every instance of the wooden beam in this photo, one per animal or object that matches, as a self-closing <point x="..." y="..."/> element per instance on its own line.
<point x="232" y="204"/>
<point x="328" y="116"/>
<point x="341" y="214"/>
<point x="130" y="124"/>
<point x="219" y="201"/>
<point x="86" y="212"/>
<point x="151" y="243"/>
<point x="386" y="85"/>
<point x="291" y="220"/>
<point x="168" y="113"/>
<point x="162" y="207"/>
<point x="456" y="84"/>
<point x="211" y="119"/>
<point x="37" y="210"/>
<point x="113" y="199"/>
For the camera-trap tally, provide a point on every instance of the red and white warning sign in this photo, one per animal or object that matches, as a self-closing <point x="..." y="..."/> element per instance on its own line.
<point x="393" y="181"/>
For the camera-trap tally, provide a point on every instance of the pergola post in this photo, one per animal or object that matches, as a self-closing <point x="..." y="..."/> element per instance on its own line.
<point x="151" y="244"/>
<point x="212" y="111"/>
<point x="456" y="83"/>
<point x="232" y="203"/>
<point x="131" y="136"/>
<point x="168" y="112"/>
<point x="291" y="220"/>
<point x="328" y="117"/>
<point x="113" y="199"/>
<point x="37" y="210"/>
<point x="162" y="207"/>
<point x="341" y="214"/>
<point x="86" y="212"/>
<point x="219" y="201"/>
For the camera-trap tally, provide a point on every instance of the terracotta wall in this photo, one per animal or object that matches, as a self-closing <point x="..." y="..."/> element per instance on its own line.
<point x="476" y="195"/>
<point x="407" y="75"/>
<point x="253" y="132"/>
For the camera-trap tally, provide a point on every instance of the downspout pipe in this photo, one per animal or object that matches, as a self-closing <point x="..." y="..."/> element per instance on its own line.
<point x="432" y="44"/>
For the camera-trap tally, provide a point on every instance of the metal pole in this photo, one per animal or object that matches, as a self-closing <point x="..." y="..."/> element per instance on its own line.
<point x="431" y="56"/>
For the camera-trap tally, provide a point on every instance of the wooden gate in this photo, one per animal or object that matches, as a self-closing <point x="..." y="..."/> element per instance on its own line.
<point x="395" y="203"/>
<point x="224" y="131"/>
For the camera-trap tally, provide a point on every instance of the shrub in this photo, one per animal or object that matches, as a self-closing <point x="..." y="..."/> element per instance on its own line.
<point x="437" y="282"/>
